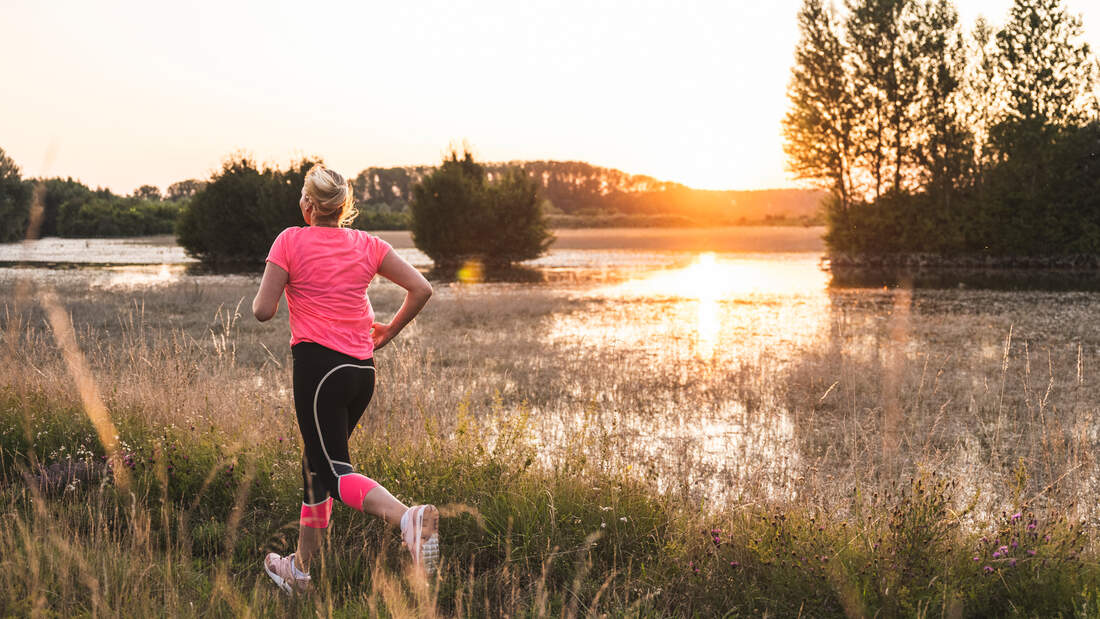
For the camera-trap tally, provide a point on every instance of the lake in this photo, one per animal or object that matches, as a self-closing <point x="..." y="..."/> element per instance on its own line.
<point x="724" y="364"/>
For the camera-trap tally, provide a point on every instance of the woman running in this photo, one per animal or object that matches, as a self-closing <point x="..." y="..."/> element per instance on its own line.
<point x="325" y="268"/>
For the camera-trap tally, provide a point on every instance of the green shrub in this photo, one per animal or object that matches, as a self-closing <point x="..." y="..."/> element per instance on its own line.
<point x="114" y="216"/>
<point x="15" y="201"/>
<point x="458" y="214"/>
<point x="378" y="217"/>
<point x="235" y="217"/>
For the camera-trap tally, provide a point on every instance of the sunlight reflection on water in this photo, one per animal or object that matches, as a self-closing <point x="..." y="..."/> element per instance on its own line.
<point x="702" y="315"/>
<point x="719" y="308"/>
<point x="706" y="320"/>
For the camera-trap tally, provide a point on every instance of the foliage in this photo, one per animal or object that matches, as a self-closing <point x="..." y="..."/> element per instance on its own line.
<point x="15" y="200"/>
<point x="183" y="190"/>
<point x="235" y="217"/>
<point x="1047" y="69"/>
<point x="64" y="194"/>
<point x="148" y="192"/>
<point x="581" y="189"/>
<point x="818" y="129"/>
<point x="380" y="216"/>
<point x="70" y="209"/>
<point x="924" y="151"/>
<point x="1046" y="197"/>
<point x="114" y="216"/>
<point x="458" y="214"/>
<point x="520" y="538"/>
<point x="517" y="225"/>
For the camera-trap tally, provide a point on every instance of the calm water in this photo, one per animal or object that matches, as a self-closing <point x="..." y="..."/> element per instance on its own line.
<point x="721" y="321"/>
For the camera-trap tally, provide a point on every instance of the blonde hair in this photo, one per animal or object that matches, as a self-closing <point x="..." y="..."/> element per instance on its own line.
<point x="331" y="195"/>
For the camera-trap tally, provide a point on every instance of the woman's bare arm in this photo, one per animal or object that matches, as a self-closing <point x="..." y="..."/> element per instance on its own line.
<point x="418" y="291"/>
<point x="267" y="298"/>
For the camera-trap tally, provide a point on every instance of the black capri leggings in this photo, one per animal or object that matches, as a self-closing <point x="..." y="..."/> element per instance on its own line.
<point x="331" y="391"/>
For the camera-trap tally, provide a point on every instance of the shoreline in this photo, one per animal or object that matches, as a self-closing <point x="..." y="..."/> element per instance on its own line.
<point x="968" y="262"/>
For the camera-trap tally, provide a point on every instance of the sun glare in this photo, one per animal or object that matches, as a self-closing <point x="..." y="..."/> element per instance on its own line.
<point x="719" y="292"/>
<point x="709" y="277"/>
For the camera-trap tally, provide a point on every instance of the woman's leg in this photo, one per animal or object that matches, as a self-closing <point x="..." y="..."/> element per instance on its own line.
<point x="328" y="387"/>
<point x="378" y="501"/>
<point x="381" y="503"/>
<point x="316" y="511"/>
<point x="309" y="544"/>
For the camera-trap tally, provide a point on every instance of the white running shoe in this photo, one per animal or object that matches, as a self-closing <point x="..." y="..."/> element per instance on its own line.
<point x="281" y="570"/>
<point x="420" y="532"/>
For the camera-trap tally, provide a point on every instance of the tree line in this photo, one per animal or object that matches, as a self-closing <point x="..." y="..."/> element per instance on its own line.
<point x="572" y="193"/>
<point x="68" y="208"/>
<point x="457" y="214"/>
<point x="932" y="138"/>
<point x="586" y="191"/>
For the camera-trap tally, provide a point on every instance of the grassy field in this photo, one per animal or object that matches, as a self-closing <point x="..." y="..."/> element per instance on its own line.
<point x="931" y="457"/>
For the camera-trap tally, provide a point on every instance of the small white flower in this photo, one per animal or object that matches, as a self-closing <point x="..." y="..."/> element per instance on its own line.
<point x="603" y="525"/>
<point x="623" y="519"/>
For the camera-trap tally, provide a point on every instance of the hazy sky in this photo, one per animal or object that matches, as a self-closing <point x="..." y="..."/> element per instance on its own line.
<point x="120" y="94"/>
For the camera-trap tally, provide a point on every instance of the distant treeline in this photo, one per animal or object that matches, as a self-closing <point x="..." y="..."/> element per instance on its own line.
<point x="575" y="191"/>
<point x="69" y="208"/>
<point x="573" y="194"/>
<point x="932" y="139"/>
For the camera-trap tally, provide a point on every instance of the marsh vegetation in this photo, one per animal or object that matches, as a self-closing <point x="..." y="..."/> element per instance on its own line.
<point x="678" y="434"/>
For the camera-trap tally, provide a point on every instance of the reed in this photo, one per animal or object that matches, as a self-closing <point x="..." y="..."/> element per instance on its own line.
<point x="927" y="464"/>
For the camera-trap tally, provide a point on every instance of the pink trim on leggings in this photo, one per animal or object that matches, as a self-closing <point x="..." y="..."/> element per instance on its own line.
<point x="353" y="487"/>
<point x="317" y="516"/>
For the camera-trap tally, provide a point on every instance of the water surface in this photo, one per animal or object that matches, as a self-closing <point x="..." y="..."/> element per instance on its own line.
<point x="724" y="366"/>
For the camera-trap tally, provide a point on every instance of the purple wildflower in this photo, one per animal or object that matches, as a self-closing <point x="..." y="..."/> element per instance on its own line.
<point x="988" y="569"/>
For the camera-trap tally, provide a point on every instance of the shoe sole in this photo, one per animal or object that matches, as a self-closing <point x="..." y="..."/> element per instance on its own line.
<point x="278" y="580"/>
<point x="425" y="552"/>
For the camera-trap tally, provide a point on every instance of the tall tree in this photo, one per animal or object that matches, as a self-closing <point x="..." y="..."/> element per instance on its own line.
<point x="60" y="192"/>
<point x="15" y="201"/>
<point x="818" y="127"/>
<point x="873" y="36"/>
<point x="1047" y="68"/>
<point x="460" y="214"/>
<point x="181" y="190"/>
<point x="240" y="211"/>
<point x="1048" y="75"/>
<point x="983" y="95"/>
<point x="945" y="147"/>
<point x="148" y="192"/>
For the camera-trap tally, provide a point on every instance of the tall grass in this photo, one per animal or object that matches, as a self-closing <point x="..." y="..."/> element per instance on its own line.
<point x="563" y="468"/>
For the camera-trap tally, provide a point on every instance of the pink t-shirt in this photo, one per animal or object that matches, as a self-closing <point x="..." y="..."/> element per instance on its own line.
<point x="330" y="269"/>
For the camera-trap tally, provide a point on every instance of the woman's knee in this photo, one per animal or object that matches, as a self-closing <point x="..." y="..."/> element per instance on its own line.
<point x="353" y="487"/>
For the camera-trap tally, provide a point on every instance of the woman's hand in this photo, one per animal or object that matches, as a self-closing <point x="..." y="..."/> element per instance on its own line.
<point x="381" y="333"/>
